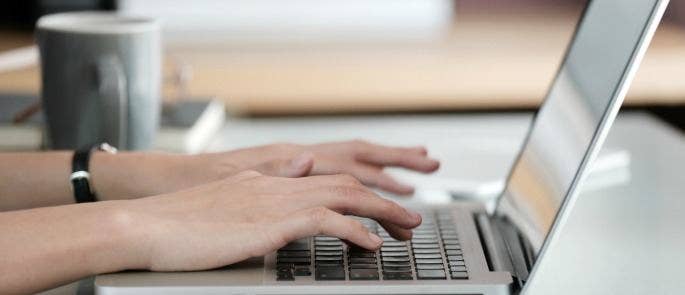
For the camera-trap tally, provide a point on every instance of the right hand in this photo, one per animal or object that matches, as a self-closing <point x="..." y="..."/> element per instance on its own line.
<point x="250" y="215"/>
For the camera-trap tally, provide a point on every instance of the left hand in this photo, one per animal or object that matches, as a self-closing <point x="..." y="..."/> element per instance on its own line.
<point x="134" y="175"/>
<point x="363" y="160"/>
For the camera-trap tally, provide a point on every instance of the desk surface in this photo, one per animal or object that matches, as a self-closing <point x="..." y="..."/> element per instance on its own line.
<point x="622" y="239"/>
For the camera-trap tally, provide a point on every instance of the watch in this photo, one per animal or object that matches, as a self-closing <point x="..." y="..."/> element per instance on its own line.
<point x="80" y="176"/>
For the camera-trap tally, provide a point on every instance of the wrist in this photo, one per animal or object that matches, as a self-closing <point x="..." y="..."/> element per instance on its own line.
<point x="122" y="242"/>
<point x="135" y="175"/>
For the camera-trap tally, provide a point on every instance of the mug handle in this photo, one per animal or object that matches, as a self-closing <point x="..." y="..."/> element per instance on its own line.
<point x="111" y="86"/>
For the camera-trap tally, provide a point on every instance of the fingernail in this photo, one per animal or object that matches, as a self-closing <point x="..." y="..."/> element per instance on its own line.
<point x="406" y="188"/>
<point x="435" y="163"/>
<point x="375" y="239"/>
<point x="414" y="215"/>
<point x="422" y="150"/>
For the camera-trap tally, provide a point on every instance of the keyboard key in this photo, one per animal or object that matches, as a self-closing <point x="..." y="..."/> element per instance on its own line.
<point x="450" y="242"/>
<point x="426" y="251"/>
<point x="427" y="256"/>
<point x="363" y="274"/>
<point x="425" y="246"/>
<point x="459" y="275"/>
<point x="281" y="254"/>
<point x="285" y="276"/>
<point x="424" y="231"/>
<point x="429" y="266"/>
<point x="328" y="248"/>
<point x="302" y="271"/>
<point x="396" y="268"/>
<point x="329" y="264"/>
<point x="449" y="237"/>
<point x="397" y="276"/>
<point x="457" y="263"/>
<point x="455" y="258"/>
<point x="356" y="249"/>
<point x="325" y="238"/>
<point x="295" y="260"/>
<point x="429" y="261"/>
<point x="329" y="274"/>
<point x="454" y="252"/>
<point x="394" y="249"/>
<point x="424" y="241"/>
<point x="430" y="274"/>
<point x="297" y="245"/>
<point x="396" y="259"/>
<point x="394" y="254"/>
<point x="394" y="244"/>
<point x="363" y="254"/>
<point x="397" y="264"/>
<point x="363" y="266"/>
<point x="362" y="260"/>
<point x="329" y="253"/>
<point x="452" y="247"/>
<point x="329" y="258"/>
<point x="458" y="268"/>
<point x="425" y="236"/>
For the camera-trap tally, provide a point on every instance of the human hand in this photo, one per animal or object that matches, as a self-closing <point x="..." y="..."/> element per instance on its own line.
<point x="361" y="159"/>
<point x="250" y="215"/>
<point x="134" y="175"/>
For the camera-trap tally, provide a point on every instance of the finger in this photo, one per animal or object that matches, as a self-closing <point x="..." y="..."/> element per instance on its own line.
<point x="322" y="221"/>
<point x="348" y="196"/>
<point x="396" y="232"/>
<point x="296" y="167"/>
<point x="410" y="158"/>
<point x="374" y="176"/>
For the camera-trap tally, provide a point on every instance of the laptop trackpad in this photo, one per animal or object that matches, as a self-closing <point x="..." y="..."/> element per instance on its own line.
<point x="246" y="273"/>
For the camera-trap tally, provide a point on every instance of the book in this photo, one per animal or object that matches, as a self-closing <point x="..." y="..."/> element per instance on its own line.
<point x="185" y="126"/>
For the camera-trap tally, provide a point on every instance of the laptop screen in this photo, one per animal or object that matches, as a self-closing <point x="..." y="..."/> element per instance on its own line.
<point x="565" y="129"/>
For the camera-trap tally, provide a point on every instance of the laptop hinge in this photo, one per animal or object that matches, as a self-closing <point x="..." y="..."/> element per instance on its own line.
<point x="503" y="249"/>
<point x="516" y="248"/>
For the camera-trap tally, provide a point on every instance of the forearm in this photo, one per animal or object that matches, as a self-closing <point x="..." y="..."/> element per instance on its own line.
<point x="46" y="247"/>
<point x="30" y="180"/>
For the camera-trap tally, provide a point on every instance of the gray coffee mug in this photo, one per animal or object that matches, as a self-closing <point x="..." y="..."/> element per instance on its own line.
<point x="101" y="79"/>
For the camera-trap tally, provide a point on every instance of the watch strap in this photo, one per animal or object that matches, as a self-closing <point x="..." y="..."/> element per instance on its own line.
<point x="80" y="175"/>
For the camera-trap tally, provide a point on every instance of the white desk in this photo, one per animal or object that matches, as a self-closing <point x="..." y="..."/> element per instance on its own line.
<point x="623" y="239"/>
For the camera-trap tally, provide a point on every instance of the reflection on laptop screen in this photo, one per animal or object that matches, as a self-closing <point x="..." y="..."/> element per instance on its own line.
<point x="565" y="126"/>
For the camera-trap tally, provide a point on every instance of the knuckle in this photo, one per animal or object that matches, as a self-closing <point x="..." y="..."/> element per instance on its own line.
<point x="389" y="206"/>
<point x="347" y="179"/>
<point x="347" y="191"/>
<point x="249" y="173"/>
<point x="319" y="214"/>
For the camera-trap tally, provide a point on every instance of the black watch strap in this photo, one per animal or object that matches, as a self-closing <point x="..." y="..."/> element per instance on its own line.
<point x="80" y="174"/>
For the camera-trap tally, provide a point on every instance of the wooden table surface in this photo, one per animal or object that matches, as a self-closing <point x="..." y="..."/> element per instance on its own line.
<point x="487" y="61"/>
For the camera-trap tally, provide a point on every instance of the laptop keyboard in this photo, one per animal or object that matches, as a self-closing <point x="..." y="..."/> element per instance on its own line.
<point x="434" y="253"/>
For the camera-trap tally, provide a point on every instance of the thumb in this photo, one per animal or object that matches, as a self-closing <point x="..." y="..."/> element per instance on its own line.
<point x="298" y="166"/>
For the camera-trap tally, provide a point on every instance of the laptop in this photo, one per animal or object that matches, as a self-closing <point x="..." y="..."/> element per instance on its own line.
<point x="462" y="248"/>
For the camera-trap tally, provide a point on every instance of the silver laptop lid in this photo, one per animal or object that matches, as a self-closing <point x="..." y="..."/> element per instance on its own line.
<point x="571" y="125"/>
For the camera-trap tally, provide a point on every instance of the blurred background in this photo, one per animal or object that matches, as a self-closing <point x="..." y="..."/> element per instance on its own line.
<point x="274" y="57"/>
